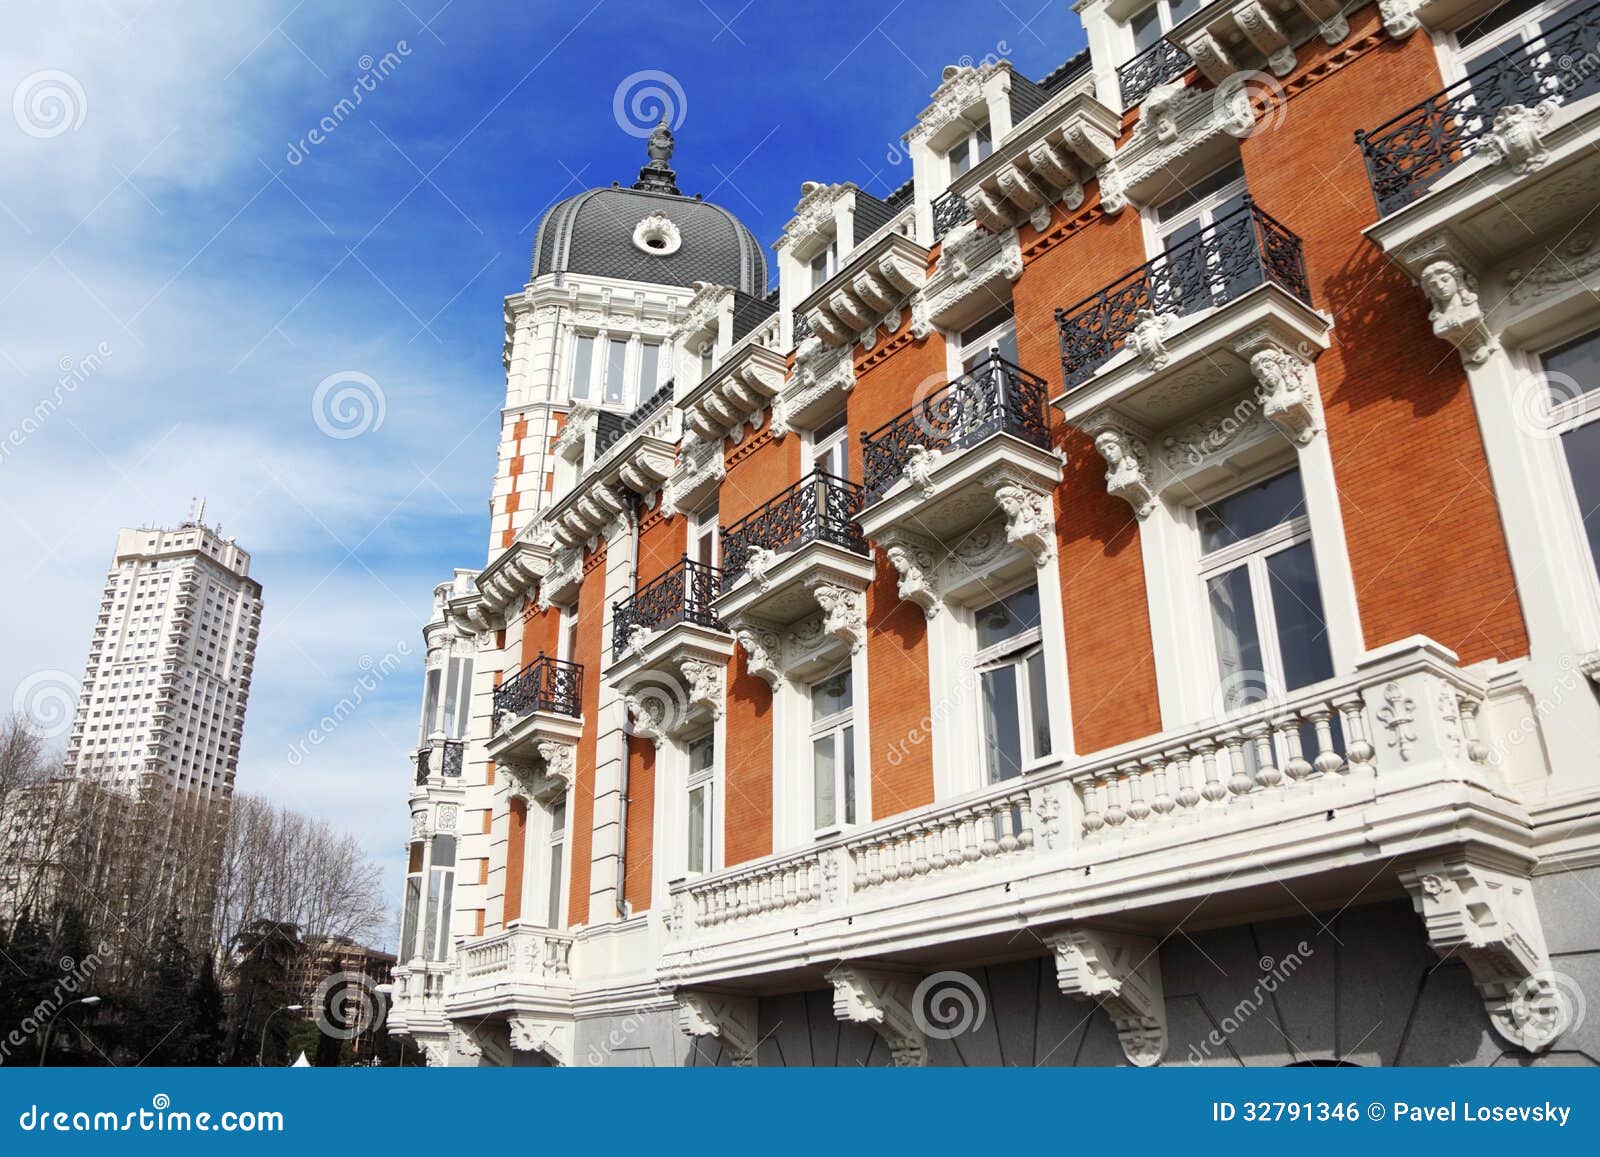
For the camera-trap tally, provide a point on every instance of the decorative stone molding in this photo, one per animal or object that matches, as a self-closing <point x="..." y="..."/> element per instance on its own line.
<point x="868" y="294"/>
<point x="885" y="1001"/>
<point x="960" y="91"/>
<point x="1484" y="915"/>
<point x="919" y="467"/>
<point x="1123" y="975"/>
<point x="700" y="468"/>
<point x="731" y="1020"/>
<point x="560" y="583"/>
<point x="1576" y="264"/>
<point x="1030" y="519"/>
<point x="975" y="266"/>
<point x="533" y="1034"/>
<point x="844" y="613"/>
<point x="914" y="557"/>
<point x="466" y="1042"/>
<point x="762" y="650"/>
<point x="647" y="716"/>
<point x="1400" y="17"/>
<point x="1127" y="462"/>
<point x="820" y="376"/>
<point x="707" y="684"/>
<point x="657" y="236"/>
<point x="1516" y="139"/>
<point x="1288" y="392"/>
<point x="1456" y="314"/>
<point x="1113" y="189"/>
<point x="435" y="1050"/>
<point x="1148" y="339"/>
<point x="1221" y="43"/>
<point x="758" y="565"/>
<point x="446" y="817"/>
<point x="815" y="211"/>
<point x="560" y="761"/>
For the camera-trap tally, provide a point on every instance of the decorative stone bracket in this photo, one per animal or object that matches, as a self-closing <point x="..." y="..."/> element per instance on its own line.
<point x="731" y="1020"/>
<point x="1123" y="974"/>
<point x="474" y="1043"/>
<point x="1484" y="914"/>
<point x="1251" y="24"/>
<point x="536" y="1034"/>
<point x="773" y="651"/>
<point x="885" y="1001"/>
<point x="873" y="296"/>
<point x="435" y="1050"/>
<point x="551" y="779"/>
<point x="1452" y="291"/>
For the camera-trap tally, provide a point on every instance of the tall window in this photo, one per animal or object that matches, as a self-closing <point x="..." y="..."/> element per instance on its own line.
<point x="567" y="644"/>
<point x="1503" y="34"/>
<point x="1015" y="695"/>
<point x="457" y="697"/>
<point x="408" y="917"/>
<point x="830" y="448"/>
<point x="556" y="845"/>
<point x="703" y="536"/>
<point x="833" y="755"/>
<point x="824" y="265"/>
<point x="649" y="369"/>
<point x="702" y="772"/>
<point x="1196" y="262"/>
<point x="616" y="371"/>
<point x="1151" y="24"/>
<point x="1261" y="584"/>
<point x="441" y="883"/>
<point x="430" y="703"/>
<point x="1572" y="375"/>
<point x="997" y="331"/>
<point x="582" y="367"/>
<point x="969" y="150"/>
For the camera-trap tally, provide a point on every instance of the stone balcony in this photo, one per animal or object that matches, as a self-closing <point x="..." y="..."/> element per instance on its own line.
<point x="975" y="448"/>
<point x="538" y="717"/>
<point x="610" y="457"/>
<point x="521" y="977"/>
<point x="799" y="557"/>
<point x="1494" y="170"/>
<point x="669" y="650"/>
<point x="1376" y="785"/>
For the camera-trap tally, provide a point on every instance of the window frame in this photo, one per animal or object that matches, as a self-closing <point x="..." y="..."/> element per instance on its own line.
<point x="703" y="780"/>
<point x="1559" y="421"/>
<point x="1016" y="652"/>
<point x="978" y="143"/>
<point x="555" y="871"/>
<point x="1454" y="56"/>
<point x="840" y="727"/>
<point x="828" y="448"/>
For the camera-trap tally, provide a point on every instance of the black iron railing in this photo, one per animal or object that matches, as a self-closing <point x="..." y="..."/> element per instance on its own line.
<point x="682" y="594"/>
<point x="949" y="210"/>
<point x="994" y="397"/>
<point x="820" y="507"/>
<point x="1157" y="64"/>
<point x="423" y="758"/>
<point x="450" y="765"/>
<point x="1406" y="155"/>
<point x="545" y="684"/>
<point x="1240" y="251"/>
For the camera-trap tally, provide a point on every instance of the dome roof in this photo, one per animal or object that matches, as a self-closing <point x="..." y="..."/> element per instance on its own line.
<point x="650" y="232"/>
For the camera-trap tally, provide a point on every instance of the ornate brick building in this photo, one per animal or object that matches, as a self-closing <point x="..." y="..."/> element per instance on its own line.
<point x="1128" y="596"/>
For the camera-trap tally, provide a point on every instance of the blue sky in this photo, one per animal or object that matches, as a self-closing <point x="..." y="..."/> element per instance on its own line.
<point x="154" y="223"/>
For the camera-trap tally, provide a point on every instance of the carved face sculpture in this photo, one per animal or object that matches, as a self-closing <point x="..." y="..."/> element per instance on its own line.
<point x="1441" y="283"/>
<point x="1110" y="447"/>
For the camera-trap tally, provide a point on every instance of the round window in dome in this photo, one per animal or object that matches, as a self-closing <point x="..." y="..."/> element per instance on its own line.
<point x="657" y="235"/>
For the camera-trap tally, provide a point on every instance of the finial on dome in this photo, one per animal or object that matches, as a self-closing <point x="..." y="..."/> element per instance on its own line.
<point x="657" y="175"/>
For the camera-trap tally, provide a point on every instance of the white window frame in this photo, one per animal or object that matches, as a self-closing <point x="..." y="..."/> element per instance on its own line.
<point x="829" y="450"/>
<point x="700" y="780"/>
<point x="1453" y="55"/>
<point x="979" y="145"/>
<point x="567" y="638"/>
<point x="1158" y="226"/>
<point x="702" y="527"/>
<point x="840" y="728"/>
<point x="828" y="256"/>
<point x="1015" y="652"/>
<point x="1164" y="21"/>
<point x="1560" y="420"/>
<point x="618" y="348"/>
<point x="958" y="348"/>
<point x="1252" y="553"/>
<point x="556" y="838"/>
<point x="595" y="356"/>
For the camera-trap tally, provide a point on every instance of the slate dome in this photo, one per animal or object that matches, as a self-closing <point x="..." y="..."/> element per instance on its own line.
<point x="650" y="232"/>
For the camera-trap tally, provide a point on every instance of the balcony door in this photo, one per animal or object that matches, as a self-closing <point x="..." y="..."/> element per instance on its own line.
<point x="1200" y="265"/>
<point x="1524" y="69"/>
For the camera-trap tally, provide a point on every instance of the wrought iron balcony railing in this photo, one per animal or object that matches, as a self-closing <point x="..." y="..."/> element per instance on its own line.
<point x="682" y="594"/>
<point x="820" y="507"/>
<point x="450" y="758"/>
<point x="1407" y="155"/>
<point x="1240" y="251"/>
<point x="424" y="758"/>
<point x="995" y="397"/>
<point x="802" y="328"/>
<point x="949" y="210"/>
<point x="546" y="684"/>
<point x="1155" y="65"/>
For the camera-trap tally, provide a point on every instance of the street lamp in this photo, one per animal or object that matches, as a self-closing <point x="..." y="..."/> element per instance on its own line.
<point x="261" y="1053"/>
<point x="50" y="1024"/>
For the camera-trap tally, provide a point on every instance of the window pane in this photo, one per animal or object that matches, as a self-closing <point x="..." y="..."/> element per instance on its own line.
<point x="824" y="806"/>
<point x="444" y="851"/>
<point x="451" y="689"/>
<point x="960" y="162"/>
<point x="582" y="360"/>
<point x="442" y="949"/>
<point x="1146" y="27"/>
<point x="408" y="923"/>
<point x="985" y="142"/>
<point x="697" y="830"/>
<point x="616" y="363"/>
<point x="1010" y="617"/>
<point x="1183" y="9"/>
<point x="1578" y="360"/>
<point x="430" y="703"/>
<point x="1038" y="705"/>
<point x="1583" y="458"/>
<point x="830" y="696"/>
<point x="702" y="753"/>
<point x="1297" y="605"/>
<point x="1233" y="622"/>
<point x="1002" y="737"/>
<point x="848" y="739"/>
<point x="649" y="369"/>
<point x="464" y="708"/>
<point x="553" y="902"/>
<point x="1251" y="511"/>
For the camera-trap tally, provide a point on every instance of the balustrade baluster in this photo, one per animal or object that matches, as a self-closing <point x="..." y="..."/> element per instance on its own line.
<point x="1093" y="818"/>
<point x="1477" y="750"/>
<point x="1116" y="815"/>
<point x="1212" y="789"/>
<point x="1267" y="773"/>
<point x="1138" y="809"/>
<point x="1327" y="760"/>
<point x="1161" y="803"/>
<point x="1239" y="781"/>
<point x="1295" y="766"/>
<point x="1358" y="748"/>
<point x="1182" y="768"/>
